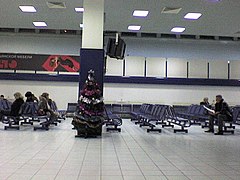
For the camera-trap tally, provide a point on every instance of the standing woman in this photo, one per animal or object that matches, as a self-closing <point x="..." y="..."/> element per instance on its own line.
<point x="16" y="105"/>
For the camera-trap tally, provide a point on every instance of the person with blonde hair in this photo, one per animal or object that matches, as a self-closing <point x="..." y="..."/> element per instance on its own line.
<point x="46" y="95"/>
<point x="44" y="108"/>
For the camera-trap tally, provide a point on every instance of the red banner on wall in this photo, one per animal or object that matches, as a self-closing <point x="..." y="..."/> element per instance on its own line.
<point x="39" y="62"/>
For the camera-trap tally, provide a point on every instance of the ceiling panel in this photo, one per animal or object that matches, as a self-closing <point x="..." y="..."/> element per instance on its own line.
<point x="218" y="19"/>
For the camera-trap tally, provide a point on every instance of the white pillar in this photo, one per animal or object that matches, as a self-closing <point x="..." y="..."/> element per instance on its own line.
<point x="93" y="22"/>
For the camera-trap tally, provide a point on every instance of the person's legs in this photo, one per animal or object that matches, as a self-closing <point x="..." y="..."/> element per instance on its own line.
<point x="211" y="124"/>
<point x="221" y="118"/>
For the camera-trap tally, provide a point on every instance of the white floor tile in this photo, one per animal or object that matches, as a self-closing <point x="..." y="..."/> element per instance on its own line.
<point x="155" y="178"/>
<point x="177" y="178"/>
<point x="113" y="177"/>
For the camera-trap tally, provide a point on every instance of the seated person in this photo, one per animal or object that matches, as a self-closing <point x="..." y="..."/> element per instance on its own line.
<point x="2" y="97"/>
<point x="222" y="113"/>
<point x="205" y="102"/>
<point x="44" y="108"/>
<point x="46" y="96"/>
<point x="16" y="105"/>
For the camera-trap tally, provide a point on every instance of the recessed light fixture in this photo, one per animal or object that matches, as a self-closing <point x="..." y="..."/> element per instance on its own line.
<point x="140" y="13"/>
<point x="30" y="9"/>
<point x="134" y="27"/>
<point x="213" y="1"/>
<point x="178" y="29"/>
<point x="39" y="24"/>
<point x="79" y="9"/>
<point x="192" y="16"/>
<point x="81" y="25"/>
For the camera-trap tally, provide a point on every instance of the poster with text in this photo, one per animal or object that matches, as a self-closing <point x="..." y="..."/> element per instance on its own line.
<point x="38" y="62"/>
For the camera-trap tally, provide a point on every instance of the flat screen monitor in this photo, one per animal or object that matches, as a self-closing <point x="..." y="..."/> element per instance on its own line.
<point x="116" y="49"/>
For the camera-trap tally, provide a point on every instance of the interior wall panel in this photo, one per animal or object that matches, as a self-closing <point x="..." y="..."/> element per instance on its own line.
<point x="177" y="68"/>
<point x="155" y="67"/>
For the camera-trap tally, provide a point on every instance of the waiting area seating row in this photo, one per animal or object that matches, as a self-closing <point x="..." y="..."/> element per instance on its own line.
<point x="160" y="114"/>
<point x="29" y="114"/>
<point x="151" y="116"/>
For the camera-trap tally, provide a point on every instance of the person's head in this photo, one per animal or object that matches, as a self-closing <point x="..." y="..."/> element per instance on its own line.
<point x="218" y="98"/>
<point x="205" y="99"/>
<point x="41" y="98"/>
<point x="2" y="97"/>
<point x="18" y="95"/>
<point x="45" y="95"/>
<point x="28" y="94"/>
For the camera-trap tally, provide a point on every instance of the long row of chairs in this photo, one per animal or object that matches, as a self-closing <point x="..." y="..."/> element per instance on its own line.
<point x="151" y="115"/>
<point x="29" y="115"/>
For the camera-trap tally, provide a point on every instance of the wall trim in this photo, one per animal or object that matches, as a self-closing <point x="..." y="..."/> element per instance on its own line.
<point x="122" y="79"/>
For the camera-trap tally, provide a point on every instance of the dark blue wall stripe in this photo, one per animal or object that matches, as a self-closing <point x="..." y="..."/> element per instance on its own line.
<point x="120" y="79"/>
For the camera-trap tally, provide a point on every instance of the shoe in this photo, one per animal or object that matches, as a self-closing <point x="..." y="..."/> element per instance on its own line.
<point x="218" y="133"/>
<point x="209" y="131"/>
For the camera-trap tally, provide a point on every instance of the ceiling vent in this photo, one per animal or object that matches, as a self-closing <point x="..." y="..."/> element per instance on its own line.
<point x="56" y="5"/>
<point x="129" y="34"/>
<point x="171" y="10"/>
<point x="7" y="30"/>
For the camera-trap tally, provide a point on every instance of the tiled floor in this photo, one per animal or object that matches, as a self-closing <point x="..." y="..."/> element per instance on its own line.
<point x="132" y="154"/>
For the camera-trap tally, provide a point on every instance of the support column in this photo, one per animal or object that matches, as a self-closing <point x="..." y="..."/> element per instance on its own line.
<point x="92" y="52"/>
<point x="93" y="22"/>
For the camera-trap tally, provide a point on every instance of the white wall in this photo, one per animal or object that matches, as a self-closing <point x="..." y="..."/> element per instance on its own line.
<point x="188" y="49"/>
<point x="40" y="44"/>
<point x="64" y="92"/>
<point x="168" y="94"/>
<point x="61" y="92"/>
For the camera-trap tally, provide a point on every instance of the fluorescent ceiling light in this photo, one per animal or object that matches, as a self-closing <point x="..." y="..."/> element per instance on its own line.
<point x="140" y="13"/>
<point x="134" y="27"/>
<point x="79" y="9"/>
<point x="178" y="29"/>
<point x="28" y="9"/>
<point x="40" y="24"/>
<point x="193" y="16"/>
<point x="213" y="1"/>
<point x="81" y="25"/>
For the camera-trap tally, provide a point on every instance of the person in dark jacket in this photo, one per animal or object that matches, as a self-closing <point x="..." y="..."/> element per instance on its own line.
<point x="16" y="105"/>
<point x="222" y="113"/>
